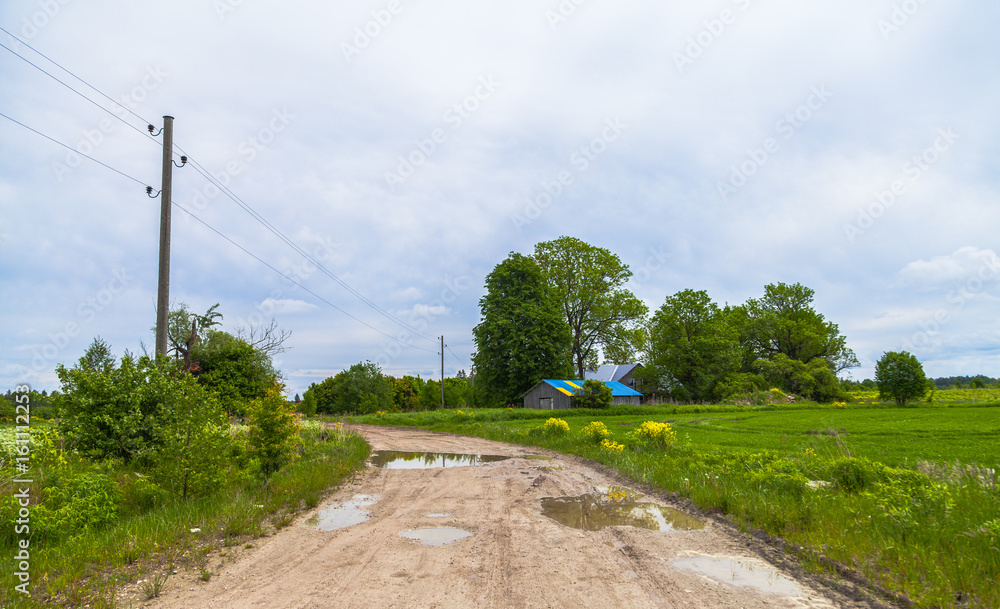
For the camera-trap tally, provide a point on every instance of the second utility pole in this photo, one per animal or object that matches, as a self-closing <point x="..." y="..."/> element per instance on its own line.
<point x="442" y="371"/>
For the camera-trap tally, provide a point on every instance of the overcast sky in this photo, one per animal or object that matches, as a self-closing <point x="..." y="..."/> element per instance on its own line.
<point x="409" y="146"/>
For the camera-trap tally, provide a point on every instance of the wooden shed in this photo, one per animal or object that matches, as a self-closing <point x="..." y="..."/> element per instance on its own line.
<point x="551" y="394"/>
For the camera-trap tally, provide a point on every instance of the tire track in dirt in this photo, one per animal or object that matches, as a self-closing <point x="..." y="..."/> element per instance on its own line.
<point x="515" y="558"/>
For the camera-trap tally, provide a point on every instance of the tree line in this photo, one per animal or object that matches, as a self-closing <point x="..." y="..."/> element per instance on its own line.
<point x="565" y="308"/>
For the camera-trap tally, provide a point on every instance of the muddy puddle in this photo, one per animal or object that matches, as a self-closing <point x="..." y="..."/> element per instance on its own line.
<point x="740" y="573"/>
<point x="438" y="515"/>
<point x="342" y="515"/>
<point x="436" y="537"/>
<point x="396" y="459"/>
<point x="616" y="506"/>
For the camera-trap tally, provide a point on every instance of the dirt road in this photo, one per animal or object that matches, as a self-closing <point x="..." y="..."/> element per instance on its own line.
<point x="514" y="557"/>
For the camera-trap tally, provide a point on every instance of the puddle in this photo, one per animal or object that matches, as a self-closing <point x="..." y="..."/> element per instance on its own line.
<point x="436" y="537"/>
<point x="616" y="507"/>
<point x="438" y="515"/>
<point x="740" y="573"/>
<point x="397" y="459"/>
<point x="343" y="515"/>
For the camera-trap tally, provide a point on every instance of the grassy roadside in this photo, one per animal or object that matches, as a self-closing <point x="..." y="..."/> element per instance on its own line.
<point x="149" y="537"/>
<point x="886" y="498"/>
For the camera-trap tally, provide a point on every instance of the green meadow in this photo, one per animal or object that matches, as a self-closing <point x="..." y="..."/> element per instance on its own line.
<point x="905" y="497"/>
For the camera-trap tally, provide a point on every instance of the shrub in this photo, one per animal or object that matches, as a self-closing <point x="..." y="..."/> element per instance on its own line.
<point x="78" y="504"/>
<point x="658" y="434"/>
<point x="856" y="474"/>
<point x="593" y="394"/>
<point x="612" y="447"/>
<point x="555" y="427"/>
<point x="273" y="429"/>
<point x="595" y="432"/>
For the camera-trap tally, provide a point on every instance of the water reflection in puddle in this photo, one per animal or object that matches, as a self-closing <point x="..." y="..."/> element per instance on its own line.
<point x="342" y="515"/>
<point x="740" y="573"/>
<point x="438" y="515"/>
<point x="396" y="459"/>
<point x="616" y="507"/>
<point x="436" y="537"/>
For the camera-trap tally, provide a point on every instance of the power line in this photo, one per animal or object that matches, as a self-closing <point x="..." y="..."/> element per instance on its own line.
<point x="55" y="141"/>
<point x="223" y="188"/>
<point x="57" y="64"/>
<point x="249" y="253"/>
<point x="246" y="251"/>
<point x="53" y="77"/>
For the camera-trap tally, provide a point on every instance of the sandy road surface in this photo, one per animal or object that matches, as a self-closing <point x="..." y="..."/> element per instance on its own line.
<point x="515" y="557"/>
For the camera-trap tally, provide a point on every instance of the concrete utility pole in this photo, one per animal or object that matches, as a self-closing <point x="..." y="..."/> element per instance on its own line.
<point x="442" y="371"/>
<point x="163" y="285"/>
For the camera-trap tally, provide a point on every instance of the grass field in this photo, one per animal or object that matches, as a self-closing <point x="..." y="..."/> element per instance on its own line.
<point x="906" y="496"/>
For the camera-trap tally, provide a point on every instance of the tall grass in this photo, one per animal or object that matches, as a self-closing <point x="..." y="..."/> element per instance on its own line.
<point x="154" y="535"/>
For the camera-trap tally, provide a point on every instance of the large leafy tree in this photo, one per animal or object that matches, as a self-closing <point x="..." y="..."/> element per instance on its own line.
<point x="601" y="313"/>
<point x="692" y="347"/>
<point x="361" y="388"/>
<point x="522" y="337"/>
<point x="900" y="377"/>
<point x="784" y="322"/>
<point x="232" y="369"/>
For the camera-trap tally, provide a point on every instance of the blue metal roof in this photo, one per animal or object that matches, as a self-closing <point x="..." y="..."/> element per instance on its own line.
<point x="569" y="387"/>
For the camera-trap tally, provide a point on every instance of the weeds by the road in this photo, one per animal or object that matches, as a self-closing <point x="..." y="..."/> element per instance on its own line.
<point x="149" y="534"/>
<point x="930" y="533"/>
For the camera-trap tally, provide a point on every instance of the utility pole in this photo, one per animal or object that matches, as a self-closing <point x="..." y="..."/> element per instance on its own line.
<point x="163" y="284"/>
<point x="442" y="371"/>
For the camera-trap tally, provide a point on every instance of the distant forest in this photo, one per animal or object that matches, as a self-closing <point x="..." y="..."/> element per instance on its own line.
<point x="965" y="381"/>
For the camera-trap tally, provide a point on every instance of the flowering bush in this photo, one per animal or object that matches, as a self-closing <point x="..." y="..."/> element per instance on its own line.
<point x="556" y="427"/>
<point x="612" y="447"/>
<point x="595" y="432"/>
<point x="659" y="434"/>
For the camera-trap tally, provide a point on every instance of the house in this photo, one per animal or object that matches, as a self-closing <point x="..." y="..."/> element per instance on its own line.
<point x="624" y="374"/>
<point x="551" y="394"/>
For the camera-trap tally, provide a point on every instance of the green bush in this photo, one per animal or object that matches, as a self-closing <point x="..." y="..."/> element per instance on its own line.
<point x="856" y="474"/>
<point x="593" y="394"/>
<point x="77" y="505"/>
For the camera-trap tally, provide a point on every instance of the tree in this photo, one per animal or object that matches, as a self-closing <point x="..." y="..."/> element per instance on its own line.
<point x="522" y="337"/>
<point x="233" y="370"/>
<point x="273" y="427"/>
<point x="592" y="394"/>
<point x="192" y="438"/>
<point x="783" y="321"/>
<point x="588" y="282"/>
<point x="901" y="377"/>
<point x="361" y="388"/>
<point x="185" y="330"/>
<point x="110" y="411"/>
<point x="268" y="339"/>
<point x="692" y="347"/>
